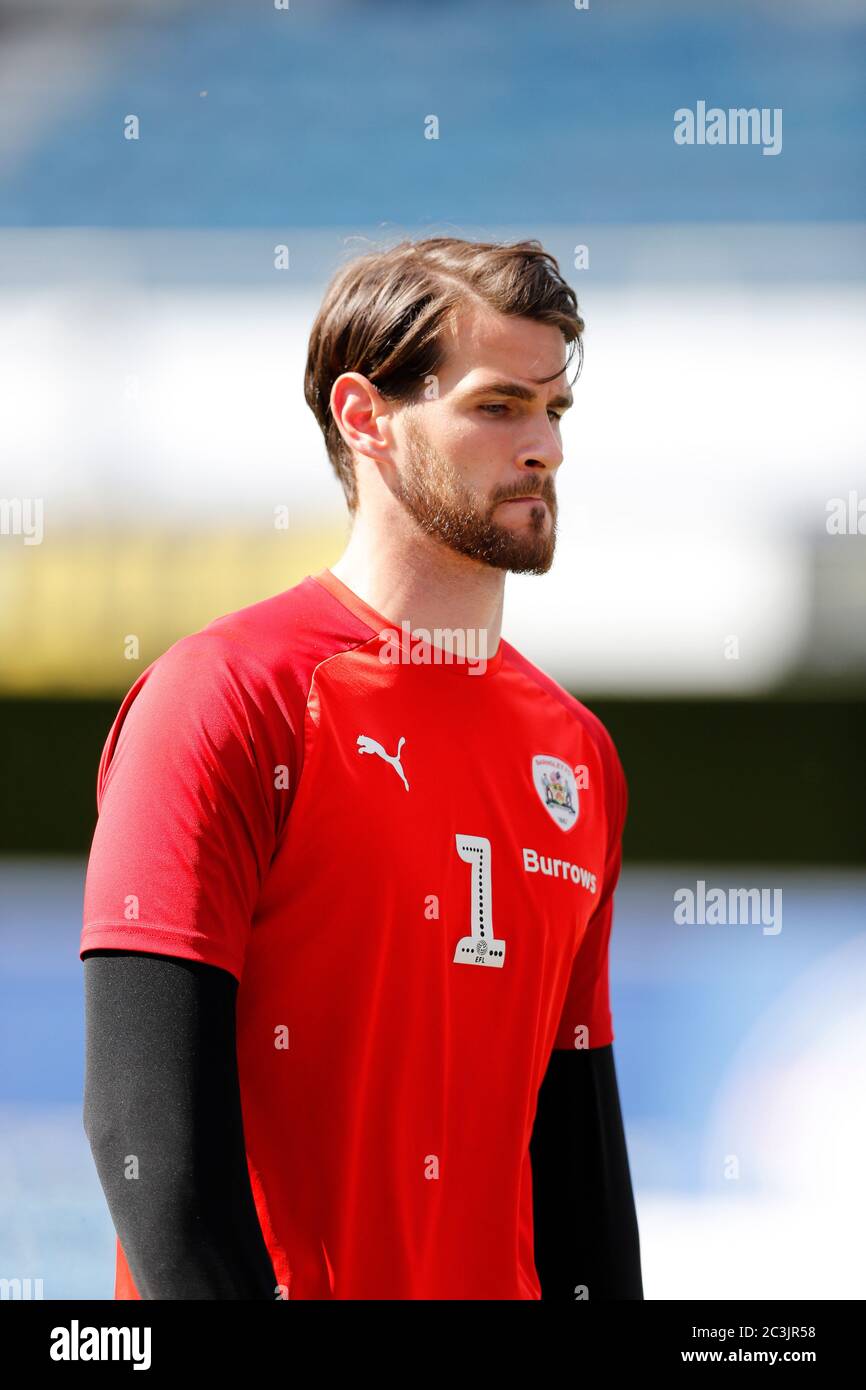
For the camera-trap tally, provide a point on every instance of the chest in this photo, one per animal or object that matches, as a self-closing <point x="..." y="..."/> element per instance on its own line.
<point x="428" y="794"/>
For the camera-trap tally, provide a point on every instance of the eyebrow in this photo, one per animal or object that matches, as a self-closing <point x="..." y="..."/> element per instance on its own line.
<point x="518" y="391"/>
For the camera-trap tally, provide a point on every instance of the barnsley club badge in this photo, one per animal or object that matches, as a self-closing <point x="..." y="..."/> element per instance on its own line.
<point x="557" y="787"/>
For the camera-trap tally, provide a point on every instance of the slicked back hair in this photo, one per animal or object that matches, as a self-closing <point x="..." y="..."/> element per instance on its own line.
<point x="386" y="314"/>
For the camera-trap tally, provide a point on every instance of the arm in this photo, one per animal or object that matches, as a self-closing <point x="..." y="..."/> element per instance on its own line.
<point x="586" y="1230"/>
<point x="161" y="1085"/>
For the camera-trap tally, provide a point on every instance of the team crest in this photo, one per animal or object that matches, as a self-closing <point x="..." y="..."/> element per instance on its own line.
<point x="557" y="787"/>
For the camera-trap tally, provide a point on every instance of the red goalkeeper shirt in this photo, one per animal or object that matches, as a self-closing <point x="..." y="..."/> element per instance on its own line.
<point x="408" y="864"/>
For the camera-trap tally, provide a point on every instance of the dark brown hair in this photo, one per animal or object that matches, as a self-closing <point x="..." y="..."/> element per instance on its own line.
<point x="385" y="312"/>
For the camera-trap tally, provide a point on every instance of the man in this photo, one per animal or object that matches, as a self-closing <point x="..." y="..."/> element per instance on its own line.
<point x="349" y="898"/>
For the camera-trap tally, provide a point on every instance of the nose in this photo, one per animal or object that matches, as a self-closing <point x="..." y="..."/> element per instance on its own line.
<point x="542" y="449"/>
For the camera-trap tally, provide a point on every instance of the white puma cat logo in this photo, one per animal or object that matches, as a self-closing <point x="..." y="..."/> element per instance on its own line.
<point x="369" y="745"/>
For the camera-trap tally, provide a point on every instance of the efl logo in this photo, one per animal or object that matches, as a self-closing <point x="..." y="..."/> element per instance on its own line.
<point x="737" y="126"/>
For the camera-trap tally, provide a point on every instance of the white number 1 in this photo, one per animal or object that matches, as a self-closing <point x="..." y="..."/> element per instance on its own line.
<point x="482" y="947"/>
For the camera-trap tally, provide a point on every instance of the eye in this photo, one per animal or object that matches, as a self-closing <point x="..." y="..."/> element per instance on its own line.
<point x="495" y="408"/>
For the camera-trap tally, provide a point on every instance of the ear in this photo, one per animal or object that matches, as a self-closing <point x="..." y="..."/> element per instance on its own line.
<point x="362" y="416"/>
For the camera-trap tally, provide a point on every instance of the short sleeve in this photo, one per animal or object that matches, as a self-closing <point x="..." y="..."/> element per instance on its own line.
<point x="587" y="1000"/>
<point x="186" y="823"/>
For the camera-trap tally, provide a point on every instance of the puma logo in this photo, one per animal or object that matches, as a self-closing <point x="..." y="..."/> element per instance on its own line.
<point x="369" y="745"/>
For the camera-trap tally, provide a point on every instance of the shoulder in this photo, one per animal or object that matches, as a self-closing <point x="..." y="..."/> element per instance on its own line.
<point x="615" y="787"/>
<point x="585" y="717"/>
<point x="242" y="679"/>
<point x="262" y="655"/>
<point x="282" y="638"/>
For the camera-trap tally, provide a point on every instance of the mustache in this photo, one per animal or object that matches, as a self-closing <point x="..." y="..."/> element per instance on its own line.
<point x="545" y="490"/>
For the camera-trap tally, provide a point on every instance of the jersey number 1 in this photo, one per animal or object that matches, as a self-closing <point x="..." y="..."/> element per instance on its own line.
<point x="482" y="947"/>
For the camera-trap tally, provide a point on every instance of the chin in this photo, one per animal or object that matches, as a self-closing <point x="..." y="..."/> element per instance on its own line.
<point x="540" y="567"/>
<point x="523" y="560"/>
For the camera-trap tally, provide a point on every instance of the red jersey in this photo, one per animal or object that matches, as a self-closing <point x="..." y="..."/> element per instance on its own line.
<point x="408" y="864"/>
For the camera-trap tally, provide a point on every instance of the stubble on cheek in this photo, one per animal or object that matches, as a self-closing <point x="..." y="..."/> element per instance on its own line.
<point x="443" y="506"/>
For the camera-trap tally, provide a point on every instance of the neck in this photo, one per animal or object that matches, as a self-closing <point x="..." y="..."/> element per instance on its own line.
<point x="406" y="575"/>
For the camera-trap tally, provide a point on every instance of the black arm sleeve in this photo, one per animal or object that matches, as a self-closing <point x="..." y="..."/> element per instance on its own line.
<point x="586" y="1230"/>
<point x="162" y="1094"/>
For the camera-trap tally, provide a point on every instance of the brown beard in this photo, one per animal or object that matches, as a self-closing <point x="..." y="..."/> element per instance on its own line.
<point x="443" y="507"/>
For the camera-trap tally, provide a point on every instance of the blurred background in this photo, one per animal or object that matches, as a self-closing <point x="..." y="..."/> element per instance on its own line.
<point x="708" y="599"/>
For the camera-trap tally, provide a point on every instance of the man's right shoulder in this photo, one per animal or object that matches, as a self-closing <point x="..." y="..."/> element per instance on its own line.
<point x="273" y="644"/>
<point x="249" y="670"/>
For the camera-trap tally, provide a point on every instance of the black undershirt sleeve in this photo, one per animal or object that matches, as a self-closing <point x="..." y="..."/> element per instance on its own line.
<point x="586" y="1231"/>
<point x="161" y="1090"/>
<point x="162" y="1099"/>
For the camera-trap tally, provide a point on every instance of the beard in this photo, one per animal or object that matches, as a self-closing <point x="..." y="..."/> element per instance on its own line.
<point x="443" y="507"/>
